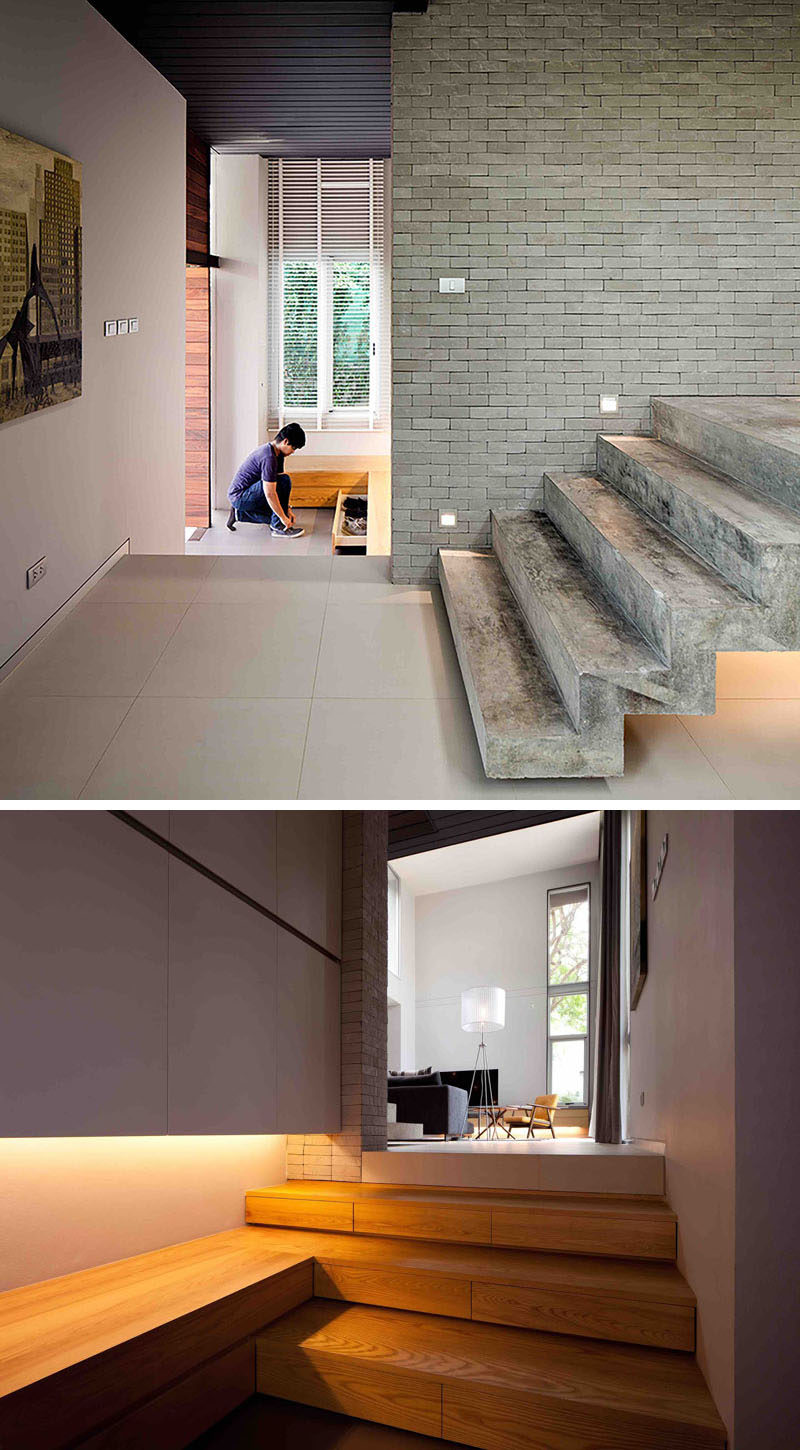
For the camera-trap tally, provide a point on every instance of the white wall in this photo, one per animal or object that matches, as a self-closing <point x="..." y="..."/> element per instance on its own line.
<point x="497" y="934"/>
<point x="79" y="478"/>
<point x="682" y="1063"/>
<point x="239" y="349"/>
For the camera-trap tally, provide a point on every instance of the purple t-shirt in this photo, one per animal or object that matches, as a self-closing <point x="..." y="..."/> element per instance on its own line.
<point x="263" y="465"/>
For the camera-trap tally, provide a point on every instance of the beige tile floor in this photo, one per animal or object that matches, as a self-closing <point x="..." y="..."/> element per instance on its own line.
<point x="305" y="676"/>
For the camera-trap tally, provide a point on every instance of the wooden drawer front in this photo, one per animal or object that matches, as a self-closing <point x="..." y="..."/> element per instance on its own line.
<point x="188" y="1408"/>
<point x="664" y="1326"/>
<point x="423" y="1221"/>
<point x="505" y="1420"/>
<point x="76" y="1401"/>
<point x="393" y="1289"/>
<point x="583" y="1233"/>
<point x="285" y="1212"/>
<point x="388" y="1396"/>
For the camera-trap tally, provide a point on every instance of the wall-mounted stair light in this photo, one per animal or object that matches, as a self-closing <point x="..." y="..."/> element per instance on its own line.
<point x="609" y="403"/>
<point x="448" y="518"/>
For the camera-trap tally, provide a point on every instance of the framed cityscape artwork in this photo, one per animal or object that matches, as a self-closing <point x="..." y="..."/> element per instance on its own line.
<point x="40" y="277"/>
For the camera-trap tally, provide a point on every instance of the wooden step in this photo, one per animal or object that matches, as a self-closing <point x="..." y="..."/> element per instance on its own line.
<point x="486" y="1385"/>
<point x="633" y="1301"/>
<point x="604" y="1224"/>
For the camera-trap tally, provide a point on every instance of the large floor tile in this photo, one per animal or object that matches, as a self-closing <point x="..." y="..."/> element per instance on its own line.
<point x="102" y="648"/>
<point x="261" y="579"/>
<point x="754" y="745"/>
<point x="248" y="539"/>
<point x="663" y="762"/>
<point x="385" y="652"/>
<point x="50" y="745"/>
<point x="767" y="676"/>
<point x="393" y="750"/>
<point x="363" y="568"/>
<point x="189" y="749"/>
<point x="152" y="579"/>
<point x="223" y="650"/>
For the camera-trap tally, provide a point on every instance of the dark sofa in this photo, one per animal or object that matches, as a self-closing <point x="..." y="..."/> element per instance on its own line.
<point x="439" y="1107"/>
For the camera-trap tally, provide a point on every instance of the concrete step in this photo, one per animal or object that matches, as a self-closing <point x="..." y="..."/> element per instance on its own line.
<point x="591" y="649"/>
<point x="754" y="440"/>
<point x="751" y="540"/>
<point x="684" y="607"/>
<point x="401" y="1132"/>
<point x="522" y="725"/>
<point x="486" y="1385"/>
<point x="391" y="1113"/>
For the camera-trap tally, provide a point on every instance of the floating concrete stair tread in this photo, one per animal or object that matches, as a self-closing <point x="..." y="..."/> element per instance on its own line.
<point x="771" y="421"/>
<point x="756" y="440"/>
<point x="523" y="726"/>
<point x="490" y="1378"/>
<point x="667" y="566"/>
<point x="594" y="636"/>
<point x="597" y="1224"/>
<point x="755" y="517"/>
<point x="630" y="1300"/>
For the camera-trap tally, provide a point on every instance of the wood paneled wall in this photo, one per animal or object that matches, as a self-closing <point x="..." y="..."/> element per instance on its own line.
<point x="198" y="336"/>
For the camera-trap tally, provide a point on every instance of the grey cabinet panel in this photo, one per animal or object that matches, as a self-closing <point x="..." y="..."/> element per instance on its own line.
<point x="237" y="845"/>
<point x="83" y="977"/>
<point x="310" y="874"/>
<point x="309" y="1073"/>
<point x="221" y="1010"/>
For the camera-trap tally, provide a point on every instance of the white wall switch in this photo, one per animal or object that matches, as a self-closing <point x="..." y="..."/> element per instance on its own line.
<point x="122" y="326"/>
<point x="452" y="284"/>
<point x="133" y="324"/>
<point x="110" y="329"/>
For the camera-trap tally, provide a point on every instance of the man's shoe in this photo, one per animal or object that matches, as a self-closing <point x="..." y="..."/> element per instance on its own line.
<point x="281" y="532"/>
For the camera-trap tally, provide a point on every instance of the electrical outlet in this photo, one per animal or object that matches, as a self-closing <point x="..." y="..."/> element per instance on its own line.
<point x="122" y="326"/>
<point x="36" y="572"/>
<point x="133" y="324"/>
<point x="110" y="328"/>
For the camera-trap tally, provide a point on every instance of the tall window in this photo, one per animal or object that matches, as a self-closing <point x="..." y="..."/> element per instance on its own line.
<point x="394" y="924"/>
<point x="568" y="924"/>
<point x="328" y="297"/>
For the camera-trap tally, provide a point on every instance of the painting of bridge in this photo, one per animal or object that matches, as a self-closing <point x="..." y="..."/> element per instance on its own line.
<point x="40" y="277"/>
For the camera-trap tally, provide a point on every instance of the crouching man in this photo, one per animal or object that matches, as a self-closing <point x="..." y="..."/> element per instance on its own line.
<point x="261" y="491"/>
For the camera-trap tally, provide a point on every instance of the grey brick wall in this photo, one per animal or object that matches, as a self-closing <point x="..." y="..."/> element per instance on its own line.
<point x="363" y="1007"/>
<point x="618" y="183"/>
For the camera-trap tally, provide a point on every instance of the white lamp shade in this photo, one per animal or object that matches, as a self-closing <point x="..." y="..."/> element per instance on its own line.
<point x="483" y="1009"/>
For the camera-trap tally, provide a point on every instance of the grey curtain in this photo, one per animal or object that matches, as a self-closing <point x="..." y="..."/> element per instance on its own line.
<point x="607" y="1118"/>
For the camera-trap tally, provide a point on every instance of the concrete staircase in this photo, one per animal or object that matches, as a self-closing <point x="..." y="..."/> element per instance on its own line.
<point x="615" y="598"/>
<point x="537" y="1321"/>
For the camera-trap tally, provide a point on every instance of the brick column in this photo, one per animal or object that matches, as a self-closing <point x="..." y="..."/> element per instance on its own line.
<point x="363" y="1009"/>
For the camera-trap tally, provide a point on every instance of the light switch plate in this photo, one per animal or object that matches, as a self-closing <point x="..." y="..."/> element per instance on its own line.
<point x="452" y="284"/>
<point x="122" y="326"/>
<point x="110" y="329"/>
<point x="133" y="324"/>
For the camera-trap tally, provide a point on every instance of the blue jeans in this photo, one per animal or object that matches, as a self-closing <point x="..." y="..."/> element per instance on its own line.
<point x="252" y="507"/>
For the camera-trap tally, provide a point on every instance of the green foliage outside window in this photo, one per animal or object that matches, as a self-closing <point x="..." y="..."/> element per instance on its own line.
<point x="300" y="335"/>
<point x="568" y="942"/>
<point x="350" y="334"/>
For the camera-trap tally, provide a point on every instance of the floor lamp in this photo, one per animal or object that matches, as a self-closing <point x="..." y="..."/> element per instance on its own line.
<point x="483" y="1009"/>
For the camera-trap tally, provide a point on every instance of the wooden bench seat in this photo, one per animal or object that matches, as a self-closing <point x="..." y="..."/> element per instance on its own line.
<point x="79" y="1353"/>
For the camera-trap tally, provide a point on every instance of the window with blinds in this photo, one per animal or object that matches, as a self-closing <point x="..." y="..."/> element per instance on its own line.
<point x="328" y="327"/>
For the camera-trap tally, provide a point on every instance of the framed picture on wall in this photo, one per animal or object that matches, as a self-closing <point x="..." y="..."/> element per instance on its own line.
<point x="638" y="905"/>
<point x="40" y="277"/>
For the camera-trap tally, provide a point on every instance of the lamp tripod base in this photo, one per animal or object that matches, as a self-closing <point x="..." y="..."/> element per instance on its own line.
<point x="487" y="1112"/>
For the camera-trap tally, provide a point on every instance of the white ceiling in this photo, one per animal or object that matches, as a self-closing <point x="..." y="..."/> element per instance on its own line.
<point x="569" y="842"/>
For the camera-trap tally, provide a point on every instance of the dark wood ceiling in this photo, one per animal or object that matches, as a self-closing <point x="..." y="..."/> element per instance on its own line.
<point x="413" y="831"/>
<point x="274" y="77"/>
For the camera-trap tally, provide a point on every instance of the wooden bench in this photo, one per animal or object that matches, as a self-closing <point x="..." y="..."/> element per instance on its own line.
<point x="150" y="1350"/>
